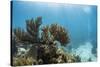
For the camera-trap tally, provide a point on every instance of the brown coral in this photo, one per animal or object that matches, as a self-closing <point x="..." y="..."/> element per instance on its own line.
<point x="59" y="34"/>
<point x="31" y="35"/>
<point x="44" y="50"/>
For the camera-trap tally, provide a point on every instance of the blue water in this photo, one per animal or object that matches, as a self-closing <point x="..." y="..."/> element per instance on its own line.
<point x="79" y="20"/>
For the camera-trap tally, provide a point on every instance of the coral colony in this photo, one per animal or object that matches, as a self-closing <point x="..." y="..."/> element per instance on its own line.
<point x="40" y="50"/>
<point x="30" y="47"/>
<point x="52" y="33"/>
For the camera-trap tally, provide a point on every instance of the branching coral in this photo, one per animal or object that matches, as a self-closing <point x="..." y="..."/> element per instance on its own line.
<point x="31" y="35"/>
<point x="45" y="34"/>
<point x="32" y="27"/>
<point x="55" y="32"/>
<point x="59" y="34"/>
<point x="44" y="49"/>
<point x="22" y="36"/>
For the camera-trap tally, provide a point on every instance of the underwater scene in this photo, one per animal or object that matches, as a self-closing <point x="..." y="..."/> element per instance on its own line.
<point x="52" y="33"/>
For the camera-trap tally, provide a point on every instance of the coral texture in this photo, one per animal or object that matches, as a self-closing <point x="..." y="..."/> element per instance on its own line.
<point x="40" y="50"/>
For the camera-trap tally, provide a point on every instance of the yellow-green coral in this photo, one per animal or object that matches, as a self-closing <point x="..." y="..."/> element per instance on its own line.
<point x="21" y="61"/>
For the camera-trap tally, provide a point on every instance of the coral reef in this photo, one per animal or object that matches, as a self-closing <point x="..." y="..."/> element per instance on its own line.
<point x="41" y="50"/>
